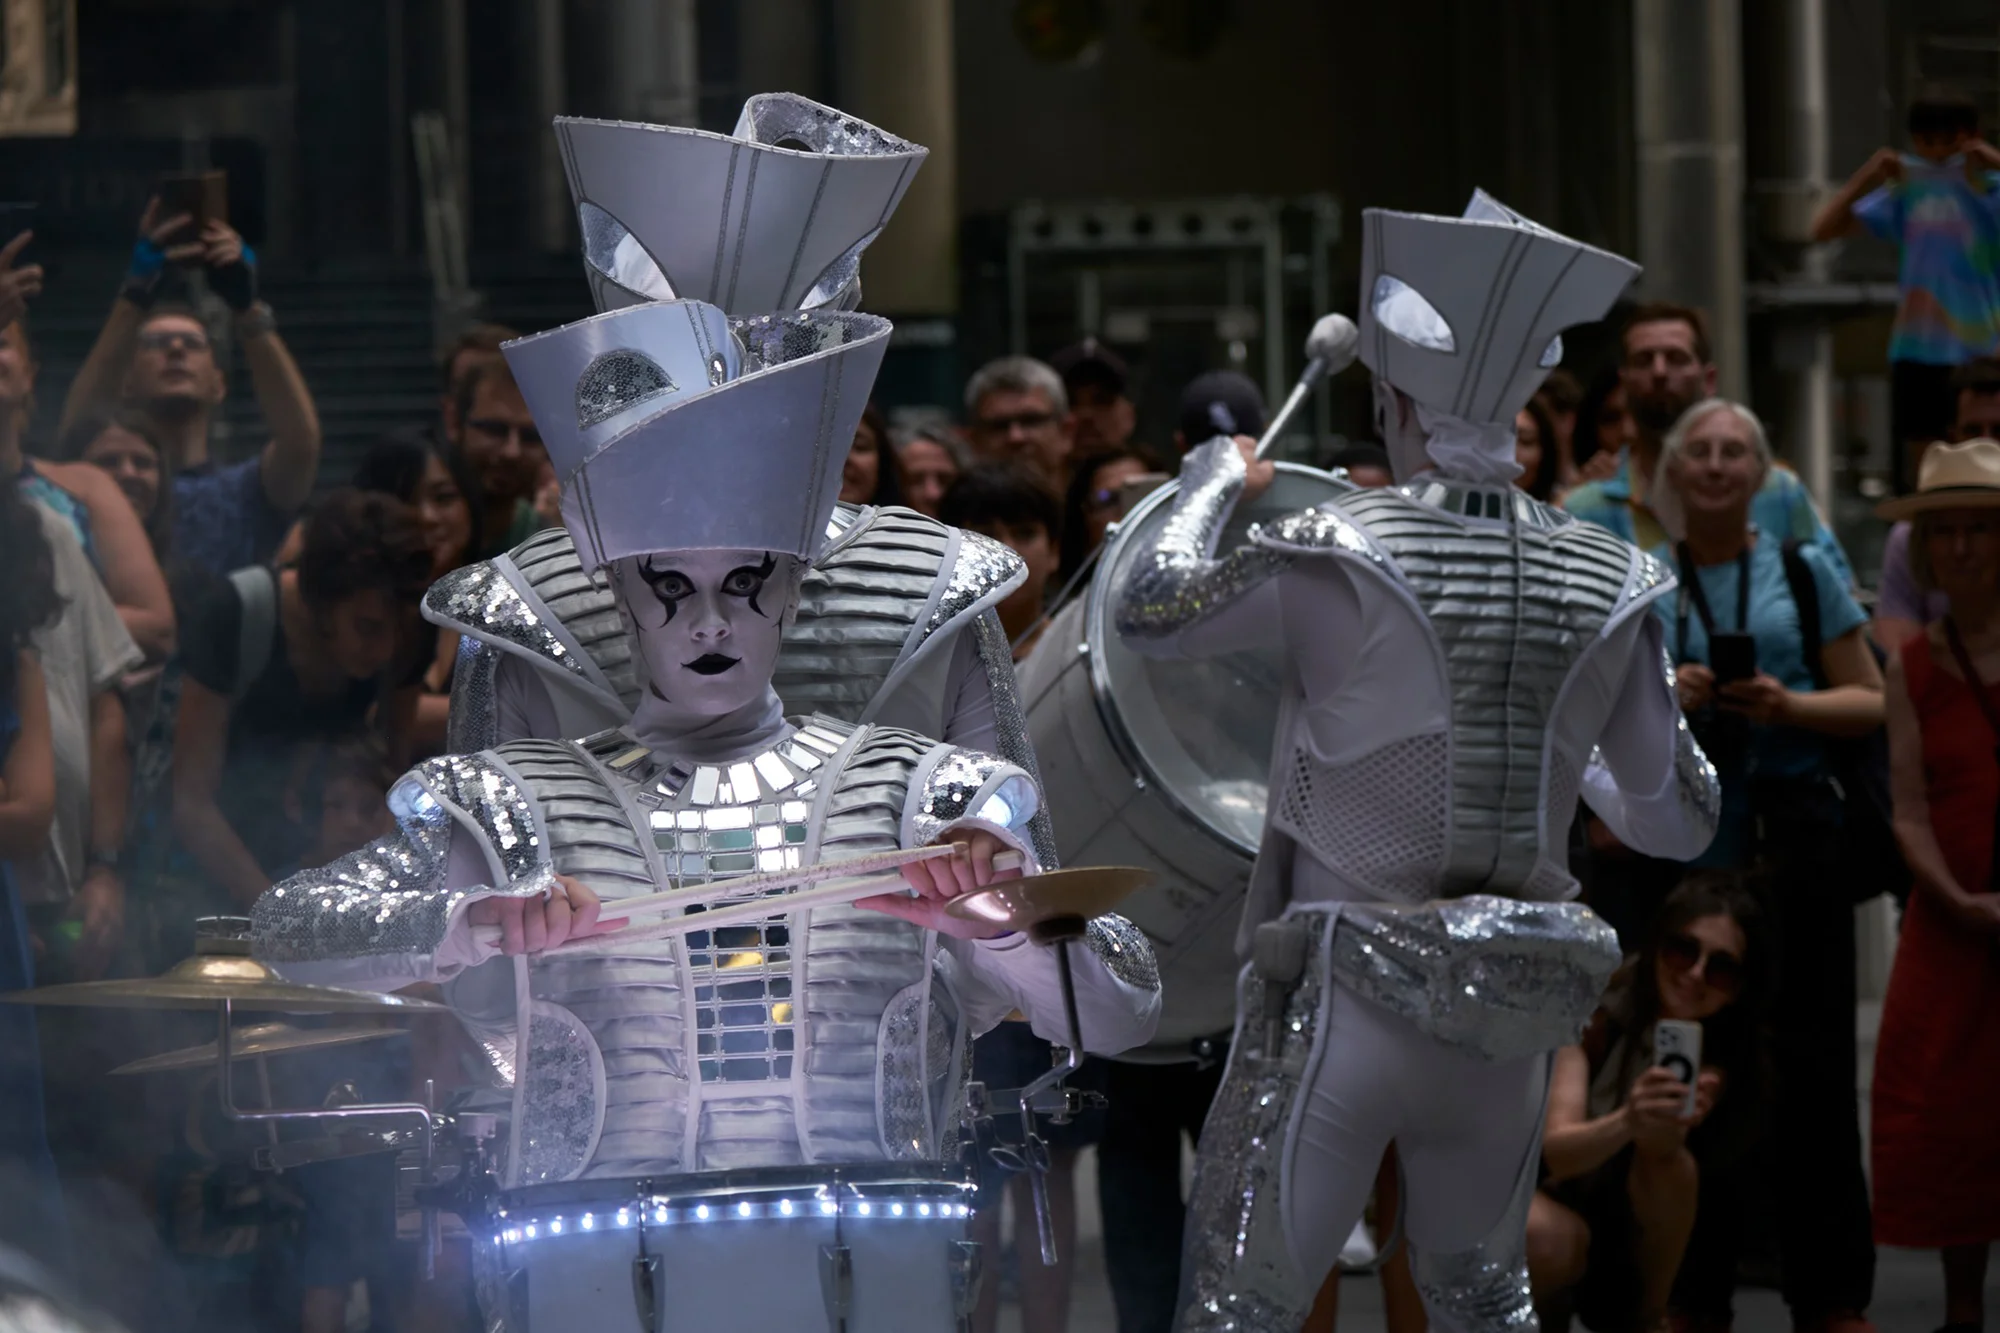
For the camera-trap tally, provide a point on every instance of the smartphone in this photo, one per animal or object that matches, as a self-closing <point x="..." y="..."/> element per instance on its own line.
<point x="1677" y="1049"/>
<point x="1732" y="655"/>
<point x="202" y="195"/>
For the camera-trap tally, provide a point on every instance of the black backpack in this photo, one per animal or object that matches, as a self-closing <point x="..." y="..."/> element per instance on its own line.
<point x="1858" y="766"/>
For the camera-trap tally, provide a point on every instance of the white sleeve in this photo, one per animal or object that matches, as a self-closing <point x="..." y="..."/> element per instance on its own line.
<point x="970" y="719"/>
<point x="522" y="706"/>
<point x="1117" y="985"/>
<point x="1649" y="780"/>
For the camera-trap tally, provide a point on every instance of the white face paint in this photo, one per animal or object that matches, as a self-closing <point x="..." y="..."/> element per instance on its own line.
<point x="707" y="624"/>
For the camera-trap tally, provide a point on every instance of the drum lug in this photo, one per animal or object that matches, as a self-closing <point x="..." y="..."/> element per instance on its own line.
<point x="836" y="1284"/>
<point x="646" y="1291"/>
<point x="967" y="1270"/>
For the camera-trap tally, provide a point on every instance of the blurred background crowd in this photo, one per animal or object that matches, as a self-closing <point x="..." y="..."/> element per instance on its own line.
<point x="259" y="258"/>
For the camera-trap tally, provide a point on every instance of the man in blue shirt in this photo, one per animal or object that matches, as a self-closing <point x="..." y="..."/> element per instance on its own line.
<point x="1666" y="367"/>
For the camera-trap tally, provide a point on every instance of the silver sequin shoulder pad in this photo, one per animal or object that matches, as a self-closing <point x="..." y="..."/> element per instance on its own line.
<point x="952" y="784"/>
<point x="484" y="795"/>
<point x="982" y="572"/>
<point x="479" y="600"/>
<point x="1321" y="530"/>
<point x="1124" y="950"/>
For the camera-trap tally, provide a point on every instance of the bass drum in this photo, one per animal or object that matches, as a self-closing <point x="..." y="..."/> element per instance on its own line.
<point x="1164" y="765"/>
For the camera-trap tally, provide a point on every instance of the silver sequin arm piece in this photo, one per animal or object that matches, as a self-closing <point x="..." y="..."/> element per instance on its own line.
<point x="1678" y="821"/>
<point x="954" y="785"/>
<point x="1124" y="950"/>
<point x="1175" y="581"/>
<point x="473" y="723"/>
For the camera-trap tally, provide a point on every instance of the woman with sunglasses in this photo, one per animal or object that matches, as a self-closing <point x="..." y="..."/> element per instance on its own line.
<point x="1090" y="505"/>
<point x="1937" y="1063"/>
<point x="1623" y="1156"/>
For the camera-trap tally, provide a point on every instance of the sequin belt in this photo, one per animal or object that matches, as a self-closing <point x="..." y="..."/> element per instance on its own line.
<point x="1490" y="976"/>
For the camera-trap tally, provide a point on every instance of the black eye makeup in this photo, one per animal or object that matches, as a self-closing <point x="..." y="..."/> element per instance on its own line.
<point x="747" y="582"/>
<point x="670" y="586"/>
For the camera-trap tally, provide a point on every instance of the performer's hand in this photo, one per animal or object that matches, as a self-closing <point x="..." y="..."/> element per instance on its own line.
<point x="938" y="881"/>
<point x="1262" y="471"/>
<point x="533" y="925"/>
<point x="1762" y="698"/>
<point x="1694" y="685"/>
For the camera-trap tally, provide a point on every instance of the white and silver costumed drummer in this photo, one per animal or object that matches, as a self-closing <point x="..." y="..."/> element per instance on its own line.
<point x="1465" y="663"/>
<point x="816" y="1049"/>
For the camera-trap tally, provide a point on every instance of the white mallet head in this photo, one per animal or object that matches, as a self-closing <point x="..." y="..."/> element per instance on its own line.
<point x="1334" y="342"/>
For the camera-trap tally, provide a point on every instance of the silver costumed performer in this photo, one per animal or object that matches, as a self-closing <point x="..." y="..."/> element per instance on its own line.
<point x="1466" y="663"/>
<point x="895" y="622"/>
<point x="815" y="1041"/>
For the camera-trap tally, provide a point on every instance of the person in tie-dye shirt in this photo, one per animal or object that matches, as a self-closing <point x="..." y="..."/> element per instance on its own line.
<point x="1940" y="203"/>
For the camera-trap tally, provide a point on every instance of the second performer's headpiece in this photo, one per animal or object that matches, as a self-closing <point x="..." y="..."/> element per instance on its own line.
<point x="675" y="427"/>
<point x="771" y="217"/>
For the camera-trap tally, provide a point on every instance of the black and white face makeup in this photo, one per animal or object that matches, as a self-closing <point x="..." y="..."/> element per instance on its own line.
<point x="707" y="623"/>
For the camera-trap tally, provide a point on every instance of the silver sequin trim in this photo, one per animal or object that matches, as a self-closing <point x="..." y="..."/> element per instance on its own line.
<point x="1488" y="976"/>
<point x="1010" y="726"/>
<point x="1695" y="779"/>
<point x="906" y="1125"/>
<point x="560" y="1107"/>
<point x="479" y="787"/>
<point x="473" y="724"/>
<point x="1124" y="950"/>
<point x="480" y="598"/>
<point x="949" y="789"/>
<point x="1485" y="1288"/>
<point x="1173" y="582"/>
<point x="615" y="381"/>
<point x="1238" y="1273"/>
<point x="1314" y="530"/>
<point x="983" y="566"/>
<point x="1650" y="574"/>
<point x="386" y="898"/>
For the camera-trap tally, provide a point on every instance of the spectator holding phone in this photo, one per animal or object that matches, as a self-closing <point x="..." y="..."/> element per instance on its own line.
<point x="1940" y="204"/>
<point x="1765" y="698"/>
<point x="1937" y="1061"/>
<point x="1630" y="1148"/>
<point x="161" y="357"/>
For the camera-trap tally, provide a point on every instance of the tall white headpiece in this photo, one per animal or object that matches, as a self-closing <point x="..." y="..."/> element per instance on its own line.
<point x="675" y="427"/>
<point x="772" y="217"/>
<point x="1465" y="315"/>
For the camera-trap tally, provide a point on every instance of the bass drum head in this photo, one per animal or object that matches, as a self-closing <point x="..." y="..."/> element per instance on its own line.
<point x="1164" y="765"/>
<point x="1198" y="732"/>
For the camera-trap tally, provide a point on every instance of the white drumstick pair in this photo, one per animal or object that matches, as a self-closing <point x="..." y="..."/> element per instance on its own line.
<point x="858" y="876"/>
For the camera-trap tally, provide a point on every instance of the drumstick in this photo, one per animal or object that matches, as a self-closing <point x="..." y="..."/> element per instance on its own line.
<point x="871" y="863"/>
<point x="761" y="907"/>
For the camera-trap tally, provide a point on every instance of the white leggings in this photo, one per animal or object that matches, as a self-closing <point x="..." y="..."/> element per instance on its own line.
<point x="1462" y="1126"/>
<point x="1273" y="1204"/>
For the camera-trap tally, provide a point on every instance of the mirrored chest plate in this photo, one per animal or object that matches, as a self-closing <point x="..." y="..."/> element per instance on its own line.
<point x="710" y="823"/>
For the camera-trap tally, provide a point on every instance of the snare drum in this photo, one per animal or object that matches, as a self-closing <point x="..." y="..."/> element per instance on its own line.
<point x="1164" y="765"/>
<point x="876" y="1248"/>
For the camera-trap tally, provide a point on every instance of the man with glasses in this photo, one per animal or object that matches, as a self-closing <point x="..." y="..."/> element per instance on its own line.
<point x="492" y="430"/>
<point x="161" y="357"/>
<point x="1017" y="411"/>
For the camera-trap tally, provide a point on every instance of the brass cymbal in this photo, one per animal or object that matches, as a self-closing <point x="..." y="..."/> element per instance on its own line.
<point x="213" y="975"/>
<point x="1023" y="904"/>
<point x="258" y="1039"/>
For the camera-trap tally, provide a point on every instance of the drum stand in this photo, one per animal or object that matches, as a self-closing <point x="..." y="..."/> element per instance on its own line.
<point x="1047" y="1095"/>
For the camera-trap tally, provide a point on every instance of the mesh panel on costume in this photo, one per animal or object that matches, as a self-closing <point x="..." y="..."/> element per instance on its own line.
<point x="793" y="122"/>
<point x="601" y="235"/>
<point x="615" y="381"/>
<point x="1379" y="820"/>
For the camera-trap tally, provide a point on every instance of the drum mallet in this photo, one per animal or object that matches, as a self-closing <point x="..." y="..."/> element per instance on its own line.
<point x="1330" y="348"/>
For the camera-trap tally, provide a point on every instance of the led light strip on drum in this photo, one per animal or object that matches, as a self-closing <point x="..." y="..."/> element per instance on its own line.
<point x="519" y="1229"/>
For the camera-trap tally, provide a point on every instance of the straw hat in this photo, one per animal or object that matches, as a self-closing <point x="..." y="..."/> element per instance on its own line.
<point x="1953" y="476"/>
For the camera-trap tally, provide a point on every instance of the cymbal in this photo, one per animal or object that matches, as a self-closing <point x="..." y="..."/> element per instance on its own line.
<point x="213" y="975"/>
<point x="1023" y="904"/>
<point x="259" y="1039"/>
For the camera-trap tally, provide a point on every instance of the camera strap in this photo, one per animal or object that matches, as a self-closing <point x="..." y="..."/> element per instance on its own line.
<point x="1692" y="591"/>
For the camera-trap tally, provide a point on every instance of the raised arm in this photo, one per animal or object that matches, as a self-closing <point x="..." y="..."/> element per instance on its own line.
<point x="1178" y="585"/>
<point x="1650" y="781"/>
<point x="1836" y="217"/>
<point x="291" y="459"/>
<point x="101" y="378"/>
